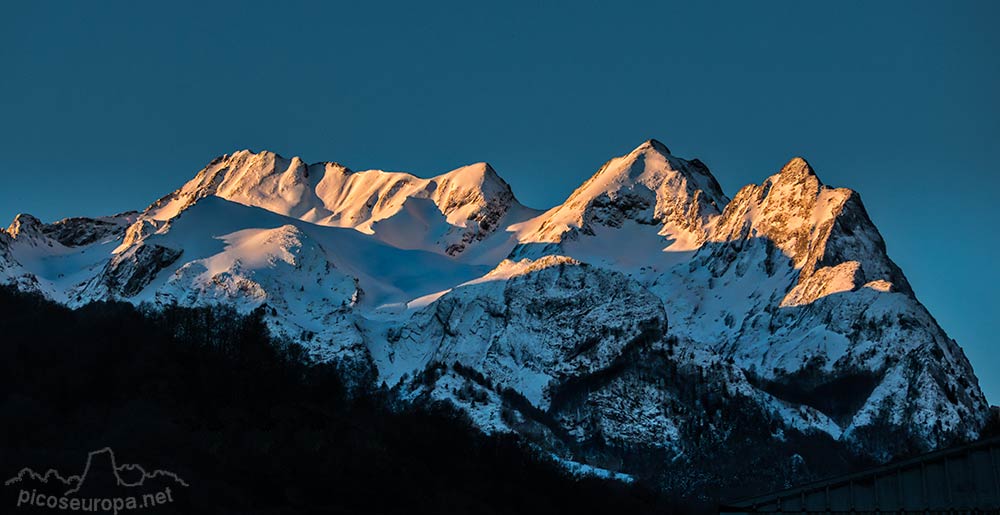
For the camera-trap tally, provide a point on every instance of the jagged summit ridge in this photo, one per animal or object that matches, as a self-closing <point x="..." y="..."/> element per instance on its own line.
<point x="446" y="213"/>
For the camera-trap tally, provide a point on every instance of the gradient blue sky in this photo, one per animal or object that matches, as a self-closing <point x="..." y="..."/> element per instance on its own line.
<point x="105" y="107"/>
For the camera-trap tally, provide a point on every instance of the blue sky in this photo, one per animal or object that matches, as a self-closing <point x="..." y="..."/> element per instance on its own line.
<point x="105" y="107"/>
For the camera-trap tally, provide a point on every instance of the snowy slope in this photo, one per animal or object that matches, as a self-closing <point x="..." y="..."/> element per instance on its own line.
<point x="529" y="324"/>
<point x="315" y="280"/>
<point x="648" y="310"/>
<point x="54" y="258"/>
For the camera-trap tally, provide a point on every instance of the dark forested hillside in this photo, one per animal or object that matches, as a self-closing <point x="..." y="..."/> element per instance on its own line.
<point x="249" y="425"/>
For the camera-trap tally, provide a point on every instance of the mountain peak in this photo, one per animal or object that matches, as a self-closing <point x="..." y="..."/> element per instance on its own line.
<point x="480" y="176"/>
<point x="480" y="169"/>
<point x="649" y="186"/>
<point x="798" y="168"/>
<point x="251" y="153"/>
<point x="655" y="145"/>
<point x="24" y="224"/>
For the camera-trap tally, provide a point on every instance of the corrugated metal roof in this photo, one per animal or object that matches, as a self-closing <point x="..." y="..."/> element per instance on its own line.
<point x="964" y="479"/>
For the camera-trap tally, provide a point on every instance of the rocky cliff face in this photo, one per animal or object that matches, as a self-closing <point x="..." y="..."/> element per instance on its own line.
<point x="9" y="268"/>
<point x="531" y="326"/>
<point x="647" y="312"/>
<point x="81" y="231"/>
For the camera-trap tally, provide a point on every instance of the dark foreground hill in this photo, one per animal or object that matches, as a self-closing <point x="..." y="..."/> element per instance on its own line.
<point x="251" y="427"/>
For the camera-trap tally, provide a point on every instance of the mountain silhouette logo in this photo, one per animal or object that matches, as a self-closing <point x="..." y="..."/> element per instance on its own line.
<point x="103" y="485"/>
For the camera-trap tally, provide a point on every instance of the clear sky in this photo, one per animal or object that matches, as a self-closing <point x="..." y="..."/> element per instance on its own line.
<point x="104" y="107"/>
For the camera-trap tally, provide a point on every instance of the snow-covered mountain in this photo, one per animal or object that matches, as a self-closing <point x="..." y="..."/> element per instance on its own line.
<point x="646" y="311"/>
